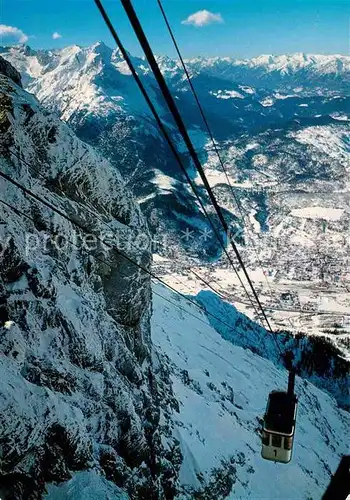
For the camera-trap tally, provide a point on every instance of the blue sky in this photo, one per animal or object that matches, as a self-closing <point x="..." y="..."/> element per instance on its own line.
<point x="245" y="29"/>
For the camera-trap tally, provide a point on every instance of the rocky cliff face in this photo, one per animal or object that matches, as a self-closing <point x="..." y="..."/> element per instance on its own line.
<point x="80" y="385"/>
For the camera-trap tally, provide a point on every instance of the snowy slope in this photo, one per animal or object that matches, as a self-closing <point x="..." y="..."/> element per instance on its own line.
<point x="86" y="485"/>
<point x="78" y="388"/>
<point x="222" y="391"/>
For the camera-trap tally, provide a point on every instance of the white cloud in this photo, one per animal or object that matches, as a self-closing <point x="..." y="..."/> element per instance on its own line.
<point x="11" y="31"/>
<point x="203" y="18"/>
<point x="56" y="35"/>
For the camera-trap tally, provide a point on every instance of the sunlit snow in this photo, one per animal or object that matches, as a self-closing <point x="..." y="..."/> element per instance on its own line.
<point x="221" y="398"/>
<point x="327" y="213"/>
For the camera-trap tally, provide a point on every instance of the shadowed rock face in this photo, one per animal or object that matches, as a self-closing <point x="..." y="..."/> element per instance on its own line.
<point x="7" y="69"/>
<point x="78" y="388"/>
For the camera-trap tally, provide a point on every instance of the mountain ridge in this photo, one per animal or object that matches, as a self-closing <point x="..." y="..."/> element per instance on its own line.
<point x="320" y="64"/>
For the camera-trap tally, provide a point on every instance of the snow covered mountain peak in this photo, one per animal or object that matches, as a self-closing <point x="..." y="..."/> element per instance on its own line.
<point x="292" y="61"/>
<point x="280" y="71"/>
<point x="99" y="49"/>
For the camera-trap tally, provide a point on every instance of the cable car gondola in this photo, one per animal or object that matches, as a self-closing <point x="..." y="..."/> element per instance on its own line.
<point x="279" y="424"/>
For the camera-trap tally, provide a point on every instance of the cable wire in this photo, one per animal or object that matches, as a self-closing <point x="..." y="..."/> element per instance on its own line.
<point x="183" y="131"/>
<point x="19" y="212"/>
<point x="59" y="212"/>
<point x="85" y="230"/>
<point x="168" y="139"/>
<point x="94" y="214"/>
<point x="205" y="120"/>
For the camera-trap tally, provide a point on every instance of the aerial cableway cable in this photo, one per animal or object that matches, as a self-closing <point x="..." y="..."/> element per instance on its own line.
<point x="221" y="293"/>
<point x="86" y="231"/>
<point x="19" y="212"/>
<point x="183" y="131"/>
<point x="203" y="280"/>
<point x="97" y="216"/>
<point x="205" y="120"/>
<point x="49" y="205"/>
<point x="169" y="141"/>
<point x="290" y="400"/>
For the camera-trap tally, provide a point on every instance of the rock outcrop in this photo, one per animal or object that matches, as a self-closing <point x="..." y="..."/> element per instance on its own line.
<point x="80" y="385"/>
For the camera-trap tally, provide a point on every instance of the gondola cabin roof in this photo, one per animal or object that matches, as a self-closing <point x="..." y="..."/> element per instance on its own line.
<point x="280" y="411"/>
